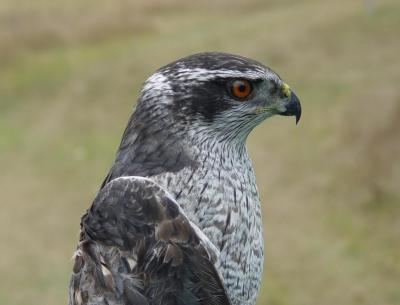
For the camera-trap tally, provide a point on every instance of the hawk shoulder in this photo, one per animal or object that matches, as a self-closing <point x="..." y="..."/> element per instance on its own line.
<point x="138" y="247"/>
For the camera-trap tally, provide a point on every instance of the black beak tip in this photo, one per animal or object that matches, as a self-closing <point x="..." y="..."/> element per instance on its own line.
<point x="293" y="107"/>
<point x="298" y="114"/>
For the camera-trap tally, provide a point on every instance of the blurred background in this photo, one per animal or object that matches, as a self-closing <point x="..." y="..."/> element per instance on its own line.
<point x="70" y="73"/>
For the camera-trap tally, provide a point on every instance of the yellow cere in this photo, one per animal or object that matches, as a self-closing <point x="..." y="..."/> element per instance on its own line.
<point x="286" y="89"/>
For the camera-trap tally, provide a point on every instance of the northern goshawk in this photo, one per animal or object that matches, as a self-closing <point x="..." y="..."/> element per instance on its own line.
<point x="177" y="220"/>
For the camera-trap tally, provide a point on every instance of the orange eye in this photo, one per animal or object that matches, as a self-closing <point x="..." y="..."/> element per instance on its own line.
<point x="241" y="88"/>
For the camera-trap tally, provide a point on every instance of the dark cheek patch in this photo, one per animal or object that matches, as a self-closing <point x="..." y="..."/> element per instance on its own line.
<point x="208" y="100"/>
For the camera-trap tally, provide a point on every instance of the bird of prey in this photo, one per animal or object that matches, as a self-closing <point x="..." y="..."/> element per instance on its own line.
<point x="177" y="220"/>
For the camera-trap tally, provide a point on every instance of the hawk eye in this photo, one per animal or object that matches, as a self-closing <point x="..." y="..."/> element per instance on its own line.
<point x="241" y="88"/>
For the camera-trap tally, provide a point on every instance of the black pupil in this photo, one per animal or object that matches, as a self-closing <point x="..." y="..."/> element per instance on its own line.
<point x="242" y="87"/>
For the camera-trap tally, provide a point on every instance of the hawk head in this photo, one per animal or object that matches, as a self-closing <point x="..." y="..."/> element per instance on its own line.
<point x="223" y="94"/>
<point x="195" y="103"/>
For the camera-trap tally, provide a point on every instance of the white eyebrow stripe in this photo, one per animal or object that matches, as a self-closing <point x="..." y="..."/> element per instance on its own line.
<point x="201" y="74"/>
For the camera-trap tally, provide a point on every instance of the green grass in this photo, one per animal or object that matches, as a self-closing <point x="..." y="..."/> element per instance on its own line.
<point x="70" y="72"/>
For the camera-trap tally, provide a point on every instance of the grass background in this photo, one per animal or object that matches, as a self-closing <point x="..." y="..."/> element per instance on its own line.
<point x="70" y="72"/>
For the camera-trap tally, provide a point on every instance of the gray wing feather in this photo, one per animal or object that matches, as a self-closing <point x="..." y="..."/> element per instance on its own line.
<point x="137" y="247"/>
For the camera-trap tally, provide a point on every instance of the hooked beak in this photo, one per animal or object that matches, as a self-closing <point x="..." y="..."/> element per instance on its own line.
<point x="293" y="107"/>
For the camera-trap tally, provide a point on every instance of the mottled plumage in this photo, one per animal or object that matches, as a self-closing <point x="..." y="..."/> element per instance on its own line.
<point x="191" y="231"/>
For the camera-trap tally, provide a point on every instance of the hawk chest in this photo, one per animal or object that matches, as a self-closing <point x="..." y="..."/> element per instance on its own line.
<point x="220" y="196"/>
